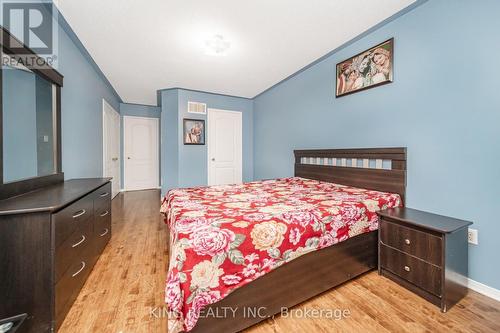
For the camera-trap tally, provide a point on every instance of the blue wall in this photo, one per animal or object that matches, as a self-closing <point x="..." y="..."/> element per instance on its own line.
<point x="190" y="168"/>
<point x="444" y="106"/>
<point x="139" y="110"/>
<point x="169" y="101"/>
<point x="81" y="104"/>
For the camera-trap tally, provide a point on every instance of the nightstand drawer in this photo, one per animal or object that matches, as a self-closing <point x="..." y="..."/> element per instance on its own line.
<point x="416" y="271"/>
<point x="422" y="245"/>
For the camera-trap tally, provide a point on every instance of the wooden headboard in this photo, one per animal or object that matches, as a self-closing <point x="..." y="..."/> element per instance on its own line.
<point x="380" y="169"/>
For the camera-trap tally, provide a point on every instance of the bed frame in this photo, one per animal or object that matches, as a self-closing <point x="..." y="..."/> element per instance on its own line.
<point x="382" y="169"/>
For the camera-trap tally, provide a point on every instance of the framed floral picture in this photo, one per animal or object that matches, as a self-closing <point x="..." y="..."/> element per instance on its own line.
<point x="368" y="69"/>
<point x="194" y="131"/>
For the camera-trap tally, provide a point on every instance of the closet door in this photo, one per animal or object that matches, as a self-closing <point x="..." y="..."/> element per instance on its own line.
<point x="224" y="147"/>
<point x="141" y="141"/>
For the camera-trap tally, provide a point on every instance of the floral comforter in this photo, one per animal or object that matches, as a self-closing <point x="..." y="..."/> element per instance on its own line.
<point x="223" y="237"/>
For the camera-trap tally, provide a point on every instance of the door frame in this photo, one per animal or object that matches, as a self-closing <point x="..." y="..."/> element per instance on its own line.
<point x="209" y="140"/>
<point x="157" y="121"/>
<point x="109" y="107"/>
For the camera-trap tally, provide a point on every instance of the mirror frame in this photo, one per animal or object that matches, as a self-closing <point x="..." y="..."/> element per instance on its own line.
<point x="14" y="188"/>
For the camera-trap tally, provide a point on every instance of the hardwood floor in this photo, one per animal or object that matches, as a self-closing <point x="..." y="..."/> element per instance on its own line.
<point x="124" y="292"/>
<point x="127" y="282"/>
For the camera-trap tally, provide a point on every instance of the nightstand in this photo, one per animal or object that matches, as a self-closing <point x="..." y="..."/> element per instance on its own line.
<point x="425" y="253"/>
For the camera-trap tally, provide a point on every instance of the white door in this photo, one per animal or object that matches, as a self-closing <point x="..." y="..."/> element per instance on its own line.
<point x="224" y="139"/>
<point x="111" y="146"/>
<point x="141" y="163"/>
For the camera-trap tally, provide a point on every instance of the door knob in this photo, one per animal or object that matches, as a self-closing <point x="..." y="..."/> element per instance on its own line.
<point x="114" y="159"/>
<point x="128" y="157"/>
<point x="213" y="159"/>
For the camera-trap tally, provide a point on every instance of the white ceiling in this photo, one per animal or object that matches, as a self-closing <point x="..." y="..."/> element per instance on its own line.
<point x="144" y="46"/>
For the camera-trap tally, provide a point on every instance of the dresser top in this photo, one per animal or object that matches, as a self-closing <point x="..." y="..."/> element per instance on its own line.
<point x="51" y="198"/>
<point x="439" y="223"/>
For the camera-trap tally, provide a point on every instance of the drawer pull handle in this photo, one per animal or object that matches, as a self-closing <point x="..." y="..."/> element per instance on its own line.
<point x="79" y="213"/>
<point x="80" y="270"/>
<point x="407" y="268"/>
<point x="79" y="242"/>
<point x="105" y="233"/>
<point x="407" y="241"/>
<point x="104" y="214"/>
<point x="104" y="194"/>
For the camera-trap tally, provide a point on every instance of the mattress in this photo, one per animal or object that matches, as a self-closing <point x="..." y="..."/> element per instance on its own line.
<point x="224" y="237"/>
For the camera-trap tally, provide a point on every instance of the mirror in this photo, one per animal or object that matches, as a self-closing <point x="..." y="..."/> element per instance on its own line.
<point x="29" y="124"/>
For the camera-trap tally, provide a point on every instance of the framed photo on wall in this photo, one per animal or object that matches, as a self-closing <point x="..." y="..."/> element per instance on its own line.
<point x="194" y="131"/>
<point x="368" y="69"/>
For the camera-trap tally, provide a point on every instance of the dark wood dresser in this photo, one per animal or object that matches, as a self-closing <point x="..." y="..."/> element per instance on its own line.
<point x="426" y="253"/>
<point x="50" y="239"/>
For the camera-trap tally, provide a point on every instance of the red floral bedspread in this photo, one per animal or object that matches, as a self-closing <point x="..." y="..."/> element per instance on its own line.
<point x="223" y="237"/>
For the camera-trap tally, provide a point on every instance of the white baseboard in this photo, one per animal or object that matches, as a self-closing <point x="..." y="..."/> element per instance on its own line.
<point x="145" y="189"/>
<point x="484" y="289"/>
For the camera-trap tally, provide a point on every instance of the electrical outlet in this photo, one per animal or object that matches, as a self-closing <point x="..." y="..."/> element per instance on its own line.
<point x="472" y="236"/>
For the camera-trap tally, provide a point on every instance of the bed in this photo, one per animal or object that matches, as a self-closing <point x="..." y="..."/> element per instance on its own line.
<point x="241" y="253"/>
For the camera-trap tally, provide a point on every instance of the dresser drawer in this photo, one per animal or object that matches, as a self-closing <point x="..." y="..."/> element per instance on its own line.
<point x="417" y="243"/>
<point x="422" y="274"/>
<point x="102" y="197"/>
<point x="102" y="222"/>
<point x="72" y="248"/>
<point x="103" y="211"/>
<point x="76" y="215"/>
<point x="70" y="284"/>
<point x="102" y="227"/>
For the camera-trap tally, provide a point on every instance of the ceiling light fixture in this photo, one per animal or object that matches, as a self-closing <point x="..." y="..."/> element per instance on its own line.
<point x="217" y="46"/>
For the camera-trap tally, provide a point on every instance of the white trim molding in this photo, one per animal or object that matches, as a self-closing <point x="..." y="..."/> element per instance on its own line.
<point x="484" y="289"/>
<point x="146" y="189"/>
